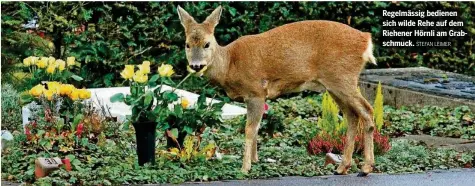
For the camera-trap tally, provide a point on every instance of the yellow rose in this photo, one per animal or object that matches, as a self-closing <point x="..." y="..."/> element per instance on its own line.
<point x="50" y="44"/>
<point x="54" y="86"/>
<point x="61" y="65"/>
<point x="34" y="60"/>
<point x="140" y="77"/>
<point x="84" y="94"/>
<point x="74" y="95"/>
<point x="66" y="89"/>
<point x="145" y="67"/>
<point x="42" y="63"/>
<point x="128" y="72"/>
<point x="27" y="61"/>
<point x="166" y="70"/>
<point x="51" y="61"/>
<point x="51" y="69"/>
<point x="49" y="94"/>
<point x="184" y="103"/>
<point x="71" y="61"/>
<point x="37" y="90"/>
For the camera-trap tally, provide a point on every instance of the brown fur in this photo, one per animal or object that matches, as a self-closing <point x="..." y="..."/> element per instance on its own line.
<point x="306" y="55"/>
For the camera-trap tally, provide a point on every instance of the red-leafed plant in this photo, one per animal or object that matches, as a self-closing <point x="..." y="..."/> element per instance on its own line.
<point x="332" y="136"/>
<point x="322" y="144"/>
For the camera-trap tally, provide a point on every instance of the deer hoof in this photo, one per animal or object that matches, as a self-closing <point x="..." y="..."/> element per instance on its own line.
<point x="336" y="173"/>
<point x="245" y="169"/>
<point x="362" y="174"/>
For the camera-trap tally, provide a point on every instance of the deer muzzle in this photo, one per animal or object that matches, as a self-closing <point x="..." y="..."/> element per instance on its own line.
<point x="197" y="66"/>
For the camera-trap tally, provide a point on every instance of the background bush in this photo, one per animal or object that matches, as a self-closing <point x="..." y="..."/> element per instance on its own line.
<point x="11" y="109"/>
<point x="118" y="33"/>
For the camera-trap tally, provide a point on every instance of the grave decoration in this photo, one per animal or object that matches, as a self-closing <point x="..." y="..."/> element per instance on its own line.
<point x="153" y="107"/>
<point x="44" y="166"/>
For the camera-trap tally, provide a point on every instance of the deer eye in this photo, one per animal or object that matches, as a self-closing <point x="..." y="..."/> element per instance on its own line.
<point x="207" y="45"/>
<point x="187" y="45"/>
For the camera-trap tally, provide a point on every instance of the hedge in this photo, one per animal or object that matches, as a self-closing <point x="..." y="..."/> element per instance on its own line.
<point x="118" y="33"/>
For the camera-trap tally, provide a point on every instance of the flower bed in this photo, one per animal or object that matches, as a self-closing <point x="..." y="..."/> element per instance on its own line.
<point x="110" y="159"/>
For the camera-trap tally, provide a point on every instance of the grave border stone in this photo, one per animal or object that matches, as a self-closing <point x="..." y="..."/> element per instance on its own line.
<point x="402" y="96"/>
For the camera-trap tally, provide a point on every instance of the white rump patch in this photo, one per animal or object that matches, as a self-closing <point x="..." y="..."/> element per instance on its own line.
<point x="368" y="53"/>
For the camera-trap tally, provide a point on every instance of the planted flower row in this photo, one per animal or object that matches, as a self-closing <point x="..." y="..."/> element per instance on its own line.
<point x="59" y="89"/>
<point x="50" y="69"/>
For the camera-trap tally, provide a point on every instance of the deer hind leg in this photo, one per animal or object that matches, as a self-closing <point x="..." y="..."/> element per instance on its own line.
<point x="364" y="113"/>
<point x="352" y="120"/>
<point x="254" y="115"/>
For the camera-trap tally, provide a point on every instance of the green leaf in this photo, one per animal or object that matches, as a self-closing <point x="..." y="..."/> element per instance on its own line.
<point x="117" y="97"/>
<point x="26" y="98"/>
<point x="188" y="129"/>
<point x="173" y="133"/>
<point x="77" y="78"/>
<point x="76" y="120"/>
<point x="152" y="82"/>
<point x="154" y="78"/>
<point x="178" y="110"/>
<point x="201" y="100"/>
<point x="232" y="11"/>
<point x="71" y="157"/>
<point x="41" y="132"/>
<point x="170" y="96"/>
<point x="84" y="141"/>
<point x="167" y="81"/>
<point x="148" y="98"/>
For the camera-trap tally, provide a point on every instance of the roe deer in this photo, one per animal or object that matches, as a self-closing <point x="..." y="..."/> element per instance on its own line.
<point x="306" y="55"/>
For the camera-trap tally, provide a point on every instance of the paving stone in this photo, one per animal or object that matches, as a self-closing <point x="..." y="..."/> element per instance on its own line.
<point x="443" y="142"/>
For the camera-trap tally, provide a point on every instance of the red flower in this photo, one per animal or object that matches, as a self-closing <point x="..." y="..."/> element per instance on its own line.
<point x="79" y="129"/>
<point x="322" y="144"/>
<point x="67" y="164"/>
<point x="266" y="109"/>
<point x="41" y="34"/>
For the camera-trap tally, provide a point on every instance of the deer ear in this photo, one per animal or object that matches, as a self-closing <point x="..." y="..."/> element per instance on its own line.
<point x="213" y="19"/>
<point x="185" y="18"/>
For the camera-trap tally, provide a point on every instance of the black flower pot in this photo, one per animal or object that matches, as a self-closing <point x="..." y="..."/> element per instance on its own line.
<point x="145" y="135"/>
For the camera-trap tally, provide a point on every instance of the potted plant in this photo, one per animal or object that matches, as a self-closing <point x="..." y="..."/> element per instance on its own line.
<point x="149" y="104"/>
<point x="190" y="120"/>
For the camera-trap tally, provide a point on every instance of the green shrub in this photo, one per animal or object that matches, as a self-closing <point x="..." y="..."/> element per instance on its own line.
<point x="378" y="108"/>
<point x="330" y="122"/>
<point x="438" y="121"/>
<point x="11" y="109"/>
<point x="118" y="33"/>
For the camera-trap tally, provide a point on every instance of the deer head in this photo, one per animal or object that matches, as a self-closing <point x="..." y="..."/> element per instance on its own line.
<point x="200" y="41"/>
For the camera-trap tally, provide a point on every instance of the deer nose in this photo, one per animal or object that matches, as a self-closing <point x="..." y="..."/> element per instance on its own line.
<point x="197" y="67"/>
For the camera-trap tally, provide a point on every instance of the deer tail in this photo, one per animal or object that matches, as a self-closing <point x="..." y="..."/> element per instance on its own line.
<point x="368" y="53"/>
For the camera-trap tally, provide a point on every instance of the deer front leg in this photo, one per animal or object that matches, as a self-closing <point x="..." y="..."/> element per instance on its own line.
<point x="254" y="156"/>
<point x="254" y="115"/>
<point x="352" y="121"/>
<point x="350" y="144"/>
